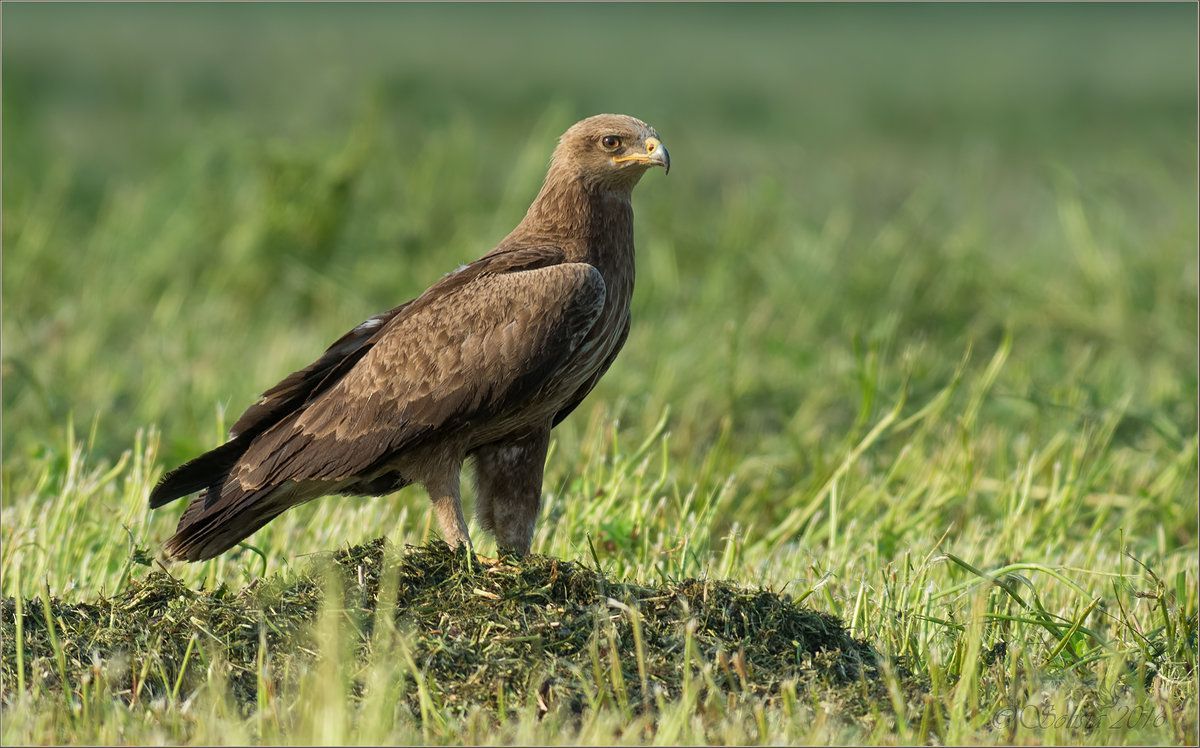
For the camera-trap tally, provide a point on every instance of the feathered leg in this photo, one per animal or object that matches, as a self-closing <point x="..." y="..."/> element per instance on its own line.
<point x="447" y="506"/>
<point x="508" y="479"/>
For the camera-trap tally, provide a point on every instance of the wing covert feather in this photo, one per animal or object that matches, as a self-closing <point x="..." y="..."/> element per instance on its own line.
<point x="300" y="387"/>
<point x="478" y="350"/>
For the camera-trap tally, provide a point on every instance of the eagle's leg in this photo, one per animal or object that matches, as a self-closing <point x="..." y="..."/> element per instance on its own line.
<point x="508" y="478"/>
<point x="447" y="507"/>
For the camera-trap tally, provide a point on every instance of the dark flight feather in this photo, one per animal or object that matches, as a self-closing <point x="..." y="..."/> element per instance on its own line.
<point x="199" y="473"/>
<point x="583" y="391"/>
<point x="298" y="387"/>
<point x="211" y="468"/>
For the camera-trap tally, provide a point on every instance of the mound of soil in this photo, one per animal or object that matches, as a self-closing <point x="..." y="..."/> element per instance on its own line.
<point x="537" y="629"/>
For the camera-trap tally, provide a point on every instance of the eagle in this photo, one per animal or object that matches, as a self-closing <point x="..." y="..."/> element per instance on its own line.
<point x="480" y="366"/>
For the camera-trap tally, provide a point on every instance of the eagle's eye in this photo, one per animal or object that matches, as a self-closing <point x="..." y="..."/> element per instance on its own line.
<point x="610" y="142"/>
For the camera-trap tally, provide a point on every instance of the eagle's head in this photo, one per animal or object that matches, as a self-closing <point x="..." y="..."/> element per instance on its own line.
<point x="610" y="150"/>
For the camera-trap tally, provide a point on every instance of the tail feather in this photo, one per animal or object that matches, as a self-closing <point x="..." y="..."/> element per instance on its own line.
<point x="209" y="528"/>
<point x="209" y="469"/>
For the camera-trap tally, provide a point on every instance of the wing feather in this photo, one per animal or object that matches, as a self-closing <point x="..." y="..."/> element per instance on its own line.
<point x="587" y="387"/>
<point x="478" y="349"/>
<point x="299" y="386"/>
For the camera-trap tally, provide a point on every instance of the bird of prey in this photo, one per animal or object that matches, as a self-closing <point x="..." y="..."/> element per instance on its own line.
<point x="482" y="365"/>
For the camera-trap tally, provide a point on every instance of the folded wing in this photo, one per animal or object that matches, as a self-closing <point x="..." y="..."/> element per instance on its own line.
<point x="473" y="354"/>
<point x="479" y="345"/>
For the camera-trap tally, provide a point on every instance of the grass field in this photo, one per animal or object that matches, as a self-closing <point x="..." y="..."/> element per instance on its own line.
<point x="914" y="343"/>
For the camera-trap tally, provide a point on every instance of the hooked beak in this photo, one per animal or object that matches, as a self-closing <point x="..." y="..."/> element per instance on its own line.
<point x="656" y="155"/>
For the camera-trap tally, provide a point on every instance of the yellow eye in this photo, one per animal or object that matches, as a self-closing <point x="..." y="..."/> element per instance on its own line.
<point x="611" y="142"/>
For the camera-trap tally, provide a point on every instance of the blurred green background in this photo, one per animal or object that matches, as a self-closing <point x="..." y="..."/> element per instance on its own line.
<point x="198" y="197"/>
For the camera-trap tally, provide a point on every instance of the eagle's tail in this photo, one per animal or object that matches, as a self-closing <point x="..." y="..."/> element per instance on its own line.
<point x="210" y="525"/>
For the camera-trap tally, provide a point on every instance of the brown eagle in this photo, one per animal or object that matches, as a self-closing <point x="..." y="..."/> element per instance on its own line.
<point x="481" y="365"/>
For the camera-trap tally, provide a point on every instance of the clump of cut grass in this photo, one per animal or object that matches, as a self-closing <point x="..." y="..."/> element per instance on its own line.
<point x="494" y="633"/>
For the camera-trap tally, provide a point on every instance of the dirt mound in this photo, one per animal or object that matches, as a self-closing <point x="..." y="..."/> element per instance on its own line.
<point x="537" y="629"/>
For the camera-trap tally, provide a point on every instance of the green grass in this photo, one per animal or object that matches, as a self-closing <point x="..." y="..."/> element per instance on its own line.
<point x="914" y="340"/>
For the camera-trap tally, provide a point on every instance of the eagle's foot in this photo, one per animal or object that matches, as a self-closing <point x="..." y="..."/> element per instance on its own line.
<point x="489" y="562"/>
